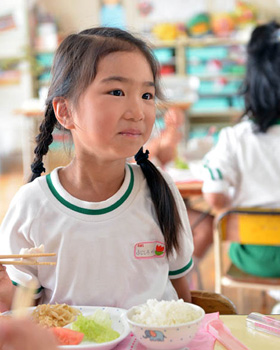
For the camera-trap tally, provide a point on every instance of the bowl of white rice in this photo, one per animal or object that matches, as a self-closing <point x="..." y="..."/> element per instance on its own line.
<point x="165" y="325"/>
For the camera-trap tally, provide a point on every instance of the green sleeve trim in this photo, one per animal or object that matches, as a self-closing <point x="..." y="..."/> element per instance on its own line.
<point x="210" y="171"/>
<point x="183" y="269"/>
<point x="36" y="292"/>
<point x="220" y="174"/>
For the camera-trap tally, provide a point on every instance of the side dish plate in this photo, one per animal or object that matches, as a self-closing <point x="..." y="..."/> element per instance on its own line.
<point x="119" y="324"/>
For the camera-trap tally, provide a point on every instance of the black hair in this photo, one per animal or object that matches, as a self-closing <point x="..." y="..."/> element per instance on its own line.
<point x="74" y="68"/>
<point x="162" y="197"/>
<point x="261" y="87"/>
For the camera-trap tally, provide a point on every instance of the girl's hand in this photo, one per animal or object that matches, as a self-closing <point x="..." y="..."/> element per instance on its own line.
<point x="23" y="334"/>
<point x="7" y="290"/>
<point x="174" y="117"/>
<point x="168" y="142"/>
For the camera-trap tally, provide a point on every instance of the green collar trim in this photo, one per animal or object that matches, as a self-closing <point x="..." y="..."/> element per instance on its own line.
<point x="183" y="269"/>
<point x="92" y="211"/>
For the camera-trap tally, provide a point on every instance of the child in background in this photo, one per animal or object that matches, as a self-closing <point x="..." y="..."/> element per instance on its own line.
<point x="120" y="231"/>
<point x="243" y="169"/>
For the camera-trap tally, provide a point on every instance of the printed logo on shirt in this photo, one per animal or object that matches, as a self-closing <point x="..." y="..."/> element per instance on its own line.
<point x="149" y="250"/>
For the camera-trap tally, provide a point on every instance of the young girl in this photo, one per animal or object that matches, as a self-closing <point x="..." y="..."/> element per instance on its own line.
<point x="120" y="231"/>
<point x="243" y="169"/>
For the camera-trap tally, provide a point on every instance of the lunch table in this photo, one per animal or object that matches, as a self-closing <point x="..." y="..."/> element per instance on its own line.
<point x="187" y="182"/>
<point x="253" y="339"/>
<point x="250" y="338"/>
<point x="190" y="188"/>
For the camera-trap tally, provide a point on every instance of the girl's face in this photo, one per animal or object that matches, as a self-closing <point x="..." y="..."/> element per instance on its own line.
<point x="116" y="113"/>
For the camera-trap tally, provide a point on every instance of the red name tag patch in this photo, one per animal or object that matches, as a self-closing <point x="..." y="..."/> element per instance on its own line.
<point x="149" y="250"/>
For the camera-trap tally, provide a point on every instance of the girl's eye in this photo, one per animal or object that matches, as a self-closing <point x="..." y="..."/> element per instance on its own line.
<point x="148" y="96"/>
<point x="116" y="93"/>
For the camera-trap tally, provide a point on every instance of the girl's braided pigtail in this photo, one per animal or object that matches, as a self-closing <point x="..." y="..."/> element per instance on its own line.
<point x="163" y="200"/>
<point x="43" y="140"/>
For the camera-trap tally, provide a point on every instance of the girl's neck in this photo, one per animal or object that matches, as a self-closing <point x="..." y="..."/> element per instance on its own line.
<point x="92" y="183"/>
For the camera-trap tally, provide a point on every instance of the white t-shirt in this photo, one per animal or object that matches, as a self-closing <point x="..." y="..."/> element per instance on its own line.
<point x="108" y="253"/>
<point x="246" y="162"/>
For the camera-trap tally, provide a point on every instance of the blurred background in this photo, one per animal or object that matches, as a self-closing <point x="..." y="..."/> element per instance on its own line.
<point x="200" y="44"/>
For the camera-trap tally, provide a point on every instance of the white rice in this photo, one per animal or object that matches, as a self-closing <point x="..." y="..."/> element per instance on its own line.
<point x="164" y="313"/>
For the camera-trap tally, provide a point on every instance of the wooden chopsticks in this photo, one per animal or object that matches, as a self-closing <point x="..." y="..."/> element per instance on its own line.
<point x="29" y="259"/>
<point x="23" y="299"/>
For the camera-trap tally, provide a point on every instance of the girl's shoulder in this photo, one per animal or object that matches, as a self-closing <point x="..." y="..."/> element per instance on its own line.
<point x="238" y="131"/>
<point x="249" y="128"/>
<point x="29" y="194"/>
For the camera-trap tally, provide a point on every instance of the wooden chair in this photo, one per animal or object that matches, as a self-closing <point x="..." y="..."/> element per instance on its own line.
<point x="213" y="302"/>
<point x="246" y="226"/>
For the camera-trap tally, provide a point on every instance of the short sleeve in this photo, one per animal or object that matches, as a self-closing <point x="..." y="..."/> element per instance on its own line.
<point x="180" y="262"/>
<point x="14" y="232"/>
<point x="220" y="165"/>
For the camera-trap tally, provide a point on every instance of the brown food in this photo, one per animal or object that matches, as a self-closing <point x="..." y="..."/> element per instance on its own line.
<point x="54" y="315"/>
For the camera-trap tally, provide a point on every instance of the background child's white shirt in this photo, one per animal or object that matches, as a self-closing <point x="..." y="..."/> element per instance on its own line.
<point x="248" y="162"/>
<point x="97" y="263"/>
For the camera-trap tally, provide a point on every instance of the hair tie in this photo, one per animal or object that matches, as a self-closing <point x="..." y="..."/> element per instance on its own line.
<point x="38" y="168"/>
<point x="141" y="157"/>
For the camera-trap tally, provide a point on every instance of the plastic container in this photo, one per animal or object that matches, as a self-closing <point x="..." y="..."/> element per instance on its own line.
<point x="207" y="53"/>
<point x="164" y="55"/>
<point x="263" y="323"/>
<point x="211" y="104"/>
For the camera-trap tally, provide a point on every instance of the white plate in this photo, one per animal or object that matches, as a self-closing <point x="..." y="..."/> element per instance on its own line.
<point x="119" y="324"/>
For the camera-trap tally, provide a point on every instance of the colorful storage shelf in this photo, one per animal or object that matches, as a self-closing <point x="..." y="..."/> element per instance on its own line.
<point x="166" y="58"/>
<point x="206" y="53"/>
<point x="164" y="55"/>
<point x="44" y="61"/>
<point x="219" y="86"/>
<point x="211" y="104"/>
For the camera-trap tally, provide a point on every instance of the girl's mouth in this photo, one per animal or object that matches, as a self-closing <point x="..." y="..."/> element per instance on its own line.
<point x="131" y="133"/>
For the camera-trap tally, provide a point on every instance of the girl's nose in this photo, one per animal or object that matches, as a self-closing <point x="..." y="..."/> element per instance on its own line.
<point x="135" y="112"/>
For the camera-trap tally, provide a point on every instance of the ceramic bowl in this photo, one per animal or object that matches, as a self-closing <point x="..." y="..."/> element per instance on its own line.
<point x="165" y="337"/>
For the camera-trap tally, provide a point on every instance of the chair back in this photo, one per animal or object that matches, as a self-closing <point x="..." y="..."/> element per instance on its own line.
<point x="213" y="302"/>
<point x="250" y="226"/>
<point x="246" y="226"/>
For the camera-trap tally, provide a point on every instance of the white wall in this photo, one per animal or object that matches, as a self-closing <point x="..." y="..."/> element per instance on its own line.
<point x="73" y="15"/>
<point x="79" y="14"/>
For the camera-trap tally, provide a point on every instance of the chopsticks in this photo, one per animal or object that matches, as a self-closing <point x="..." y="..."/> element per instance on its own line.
<point x="26" y="256"/>
<point x="23" y="299"/>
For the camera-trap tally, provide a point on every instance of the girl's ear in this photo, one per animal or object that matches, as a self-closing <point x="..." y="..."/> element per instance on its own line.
<point x="62" y="112"/>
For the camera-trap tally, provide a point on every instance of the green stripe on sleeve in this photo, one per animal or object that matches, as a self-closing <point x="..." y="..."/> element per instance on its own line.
<point x="183" y="269"/>
<point x="210" y="171"/>
<point x="39" y="290"/>
<point x="220" y="174"/>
